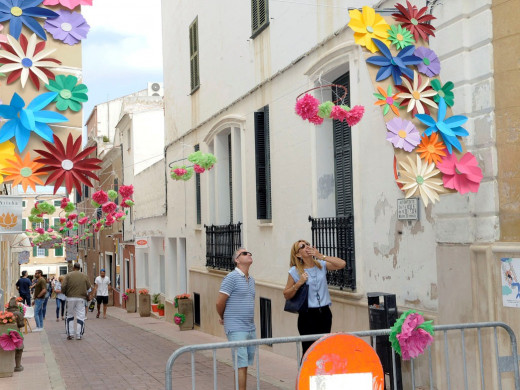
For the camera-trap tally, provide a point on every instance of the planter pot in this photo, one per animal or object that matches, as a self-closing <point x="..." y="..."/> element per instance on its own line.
<point x="131" y="306"/>
<point x="161" y="312"/>
<point x="155" y="308"/>
<point x="186" y="308"/>
<point x="6" y="357"/>
<point x="144" y="305"/>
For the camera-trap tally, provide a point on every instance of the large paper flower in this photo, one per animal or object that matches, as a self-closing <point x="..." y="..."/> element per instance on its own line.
<point x="443" y="92"/>
<point x="11" y="340"/>
<point x="23" y="171"/>
<point x="402" y="134"/>
<point x="27" y="59"/>
<point x="307" y="106"/>
<point x="417" y="95"/>
<point x="368" y="25"/>
<point x="395" y="66"/>
<point x="6" y="153"/>
<point x="463" y="175"/>
<point x="21" y="121"/>
<point x="69" y="95"/>
<point x="24" y="12"/>
<point x="69" y="27"/>
<point x="400" y="37"/>
<point x="449" y="128"/>
<point x="411" y="335"/>
<point x="430" y="64"/>
<point x="419" y="177"/>
<point x="70" y="4"/>
<point x="416" y="20"/>
<point x="431" y="149"/>
<point x="388" y="100"/>
<point x="68" y="164"/>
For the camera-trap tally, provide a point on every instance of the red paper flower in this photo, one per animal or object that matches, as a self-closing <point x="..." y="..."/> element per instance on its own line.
<point x="68" y="164"/>
<point x="317" y="120"/>
<point x="109" y="207"/>
<point x="100" y="197"/>
<point x="339" y="114"/>
<point x="307" y="106"/>
<point x="11" y="340"/>
<point x="355" y="115"/>
<point x="415" y="20"/>
<point x="126" y="191"/>
<point x="463" y="175"/>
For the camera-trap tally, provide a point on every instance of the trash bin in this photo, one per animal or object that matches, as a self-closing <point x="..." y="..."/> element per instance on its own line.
<point x="382" y="315"/>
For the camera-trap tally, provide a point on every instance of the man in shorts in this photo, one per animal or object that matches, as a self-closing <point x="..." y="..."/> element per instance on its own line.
<point x="236" y="308"/>
<point x="101" y="289"/>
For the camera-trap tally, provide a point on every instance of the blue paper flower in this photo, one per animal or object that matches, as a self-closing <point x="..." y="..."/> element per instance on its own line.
<point x="24" y="12"/>
<point x="391" y="65"/>
<point x="20" y="121"/>
<point x="449" y="128"/>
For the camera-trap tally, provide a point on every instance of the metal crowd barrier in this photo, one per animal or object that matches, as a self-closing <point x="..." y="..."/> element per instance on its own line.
<point x="435" y="374"/>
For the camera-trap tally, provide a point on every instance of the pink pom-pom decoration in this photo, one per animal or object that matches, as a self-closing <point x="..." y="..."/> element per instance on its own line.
<point x="198" y="169"/>
<point x="100" y="197"/>
<point x="316" y="119"/>
<point x="338" y="114"/>
<point x="177" y="320"/>
<point x="72" y="217"/>
<point x="180" y="171"/>
<point x="355" y="115"/>
<point x="83" y="220"/>
<point x="64" y="203"/>
<point x="413" y="340"/>
<point x="40" y="230"/>
<point x="63" y="220"/>
<point x="307" y="106"/>
<point x="126" y="191"/>
<point x="109" y="207"/>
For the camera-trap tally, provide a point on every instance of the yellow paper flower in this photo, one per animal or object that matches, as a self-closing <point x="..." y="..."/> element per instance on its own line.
<point x="6" y="153"/>
<point x="368" y="25"/>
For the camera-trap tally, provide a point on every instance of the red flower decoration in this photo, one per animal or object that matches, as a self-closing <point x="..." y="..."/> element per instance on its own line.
<point x="415" y="20"/>
<point x="126" y="191"/>
<point x="463" y="175"/>
<point x="100" y="197"/>
<point x="109" y="207"/>
<point x="307" y="106"/>
<point x="68" y="164"/>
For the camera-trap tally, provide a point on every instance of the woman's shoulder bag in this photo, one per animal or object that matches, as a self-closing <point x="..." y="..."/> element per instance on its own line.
<point x="298" y="303"/>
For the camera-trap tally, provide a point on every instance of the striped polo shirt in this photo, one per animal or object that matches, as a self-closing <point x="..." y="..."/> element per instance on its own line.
<point x="239" y="315"/>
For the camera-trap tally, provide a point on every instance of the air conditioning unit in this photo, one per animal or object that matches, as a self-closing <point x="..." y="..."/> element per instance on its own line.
<point x="155" y="89"/>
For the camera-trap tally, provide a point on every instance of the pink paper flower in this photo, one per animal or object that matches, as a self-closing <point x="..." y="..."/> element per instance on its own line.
<point x="100" y="197"/>
<point x="64" y="203"/>
<point x="339" y="114"/>
<point x="3" y="38"/>
<point x="109" y="207"/>
<point x="11" y="340"/>
<point x="127" y="202"/>
<point x="40" y="230"/>
<point x="413" y="340"/>
<point x="307" y="106"/>
<point x="463" y="175"/>
<point x="180" y="171"/>
<point x="83" y="220"/>
<point x="198" y="169"/>
<point x="70" y="4"/>
<point x="126" y="191"/>
<point x="316" y="119"/>
<point x="178" y="320"/>
<point x="69" y="224"/>
<point x="72" y="216"/>
<point x="355" y="115"/>
<point x="63" y="220"/>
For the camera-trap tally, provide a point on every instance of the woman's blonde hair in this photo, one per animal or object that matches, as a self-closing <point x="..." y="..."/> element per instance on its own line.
<point x="60" y="278"/>
<point x="297" y="262"/>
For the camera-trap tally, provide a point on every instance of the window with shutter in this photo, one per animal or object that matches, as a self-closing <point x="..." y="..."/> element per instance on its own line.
<point x="24" y="224"/>
<point x="116" y="189"/>
<point x="263" y="164"/>
<point x="259" y="16"/>
<point x="57" y="203"/>
<point x="194" y="55"/>
<point x="197" y="193"/>
<point x="58" y="252"/>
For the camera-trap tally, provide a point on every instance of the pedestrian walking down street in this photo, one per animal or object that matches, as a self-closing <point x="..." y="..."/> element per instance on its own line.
<point x="47" y="296"/>
<point x="61" y="299"/>
<point x="40" y="289"/>
<point x="101" y="289"/>
<point x="23" y="285"/>
<point x="309" y="266"/>
<point x="236" y="308"/>
<point x="75" y="287"/>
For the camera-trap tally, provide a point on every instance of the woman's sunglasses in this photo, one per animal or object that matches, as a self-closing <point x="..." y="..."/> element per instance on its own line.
<point x="303" y="245"/>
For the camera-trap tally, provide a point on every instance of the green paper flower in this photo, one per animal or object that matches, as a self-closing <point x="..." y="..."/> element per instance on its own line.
<point x="444" y="92"/>
<point x="70" y="95"/>
<point x="112" y="194"/>
<point x="324" y="109"/>
<point x="400" y="37"/>
<point x="95" y="204"/>
<point x="69" y="207"/>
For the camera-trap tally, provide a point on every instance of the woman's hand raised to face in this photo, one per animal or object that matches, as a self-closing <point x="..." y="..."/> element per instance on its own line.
<point x="303" y="279"/>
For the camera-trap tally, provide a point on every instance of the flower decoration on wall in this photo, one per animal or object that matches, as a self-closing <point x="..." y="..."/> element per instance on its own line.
<point x="23" y="171"/>
<point x="402" y="134"/>
<point x="27" y="59"/>
<point x="417" y="95"/>
<point x="420" y="177"/>
<point x="411" y="335"/>
<point x="24" y="13"/>
<point x="449" y="128"/>
<point x="71" y="95"/>
<point x="368" y="25"/>
<point x="463" y="175"/>
<point x="400" y="37"/>
<point x="68" y="164"/>
<point x="69" y="27"/>
<point x="22" y="121"/>
<point x="393" y="66"/>
<point x="431" y="149"/>
<point x="416" y="20"/>
<point x="388" y="100"/>
<point x="430" y="64"/>
<point x="6" y="153"/>
<point x="443" y="92"/>
<point x="70" y="4"/>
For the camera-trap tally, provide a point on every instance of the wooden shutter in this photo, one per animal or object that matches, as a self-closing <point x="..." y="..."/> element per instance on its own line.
<point x="197" y="193"/>
<point x="35" y="251"/>
<point x="194" y="55"/>
<point x="46" y="223"/>
<point x="58" y="251"/>
<point x="259" y="16"/>
<point x="24" y="224"/>
<point x="263" y="165"/>
<point x="116" y="189"/>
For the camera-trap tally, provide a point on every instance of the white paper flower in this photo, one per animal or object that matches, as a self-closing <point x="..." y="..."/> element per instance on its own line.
<point x="418" y="93"/>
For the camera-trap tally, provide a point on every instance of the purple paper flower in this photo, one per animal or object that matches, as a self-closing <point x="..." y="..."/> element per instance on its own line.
<point x="430" y="64"/>
<point x="402" y="134"/>
<point x="69" y="27"/>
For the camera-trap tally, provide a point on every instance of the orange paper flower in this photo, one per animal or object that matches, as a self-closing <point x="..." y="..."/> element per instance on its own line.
<point x="431" y="149"/>
<point x="23" y="171"/>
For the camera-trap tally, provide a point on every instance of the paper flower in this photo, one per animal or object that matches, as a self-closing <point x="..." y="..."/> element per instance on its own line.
<point x="411" y="335"/>
<point x="23" y="171"/>
<point x="204" y="160"/>
<point x="395" y="66"/>
<point x="324" y="109"/>
<point x="20" y="121"/>
<point x="368" y="25"/>
<point x="70" y="4"/>
<point x="109" y="207"/>
<point x="431" y="149"/>
<point x="307" y="106"/>
<point x="198" y="169"/>
<point x="400" y="37"/>
<point x="69" y="95"/>
<point x="388" y="100"/>
<point x="3" y="38"/>
<point x="6" y="154"/>
<point x="182" y="173"/>
<point x="69" y="27"/>
<point x="443" y="92"/>
<point x="449" y="128"/>
<point x="430" y="64"/>
<point x="100" y="197"/>
<point x="179" y="318"/>
<point x="27" y="59"/>
<point x="419" y="177"/>
<point x="24" y="12"/>
<point x="126" y="191"/>
<point x="417" y="95"/>
<point x="11" y="340"/>
<point x="354" y="115"/>
<point x="463" y="175"/>
<point x="415" y="20"/>
<point x="68" y="164"/>
<point x="316" y="119"/>
<point x="402" y="134"/>
<point x="338" y="113"/>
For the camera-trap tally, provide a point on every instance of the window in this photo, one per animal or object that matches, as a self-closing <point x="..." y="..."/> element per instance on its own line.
<point x="196" y="313"/>
<point x="194" y="55"/>
<point x="41" y="252"/>
<point x="58" y="252"/>
<point x="259" y="16"/>
<point x="116" y="189"/>
<point x="263" y="164"/>
<point x="24" y="203"/>
<point x="266" y="324"/>
<point x="57" y="203"/>
<point x="24" y="224"/>
<point x="85" y="191"/>
<point x="197" y="193"/>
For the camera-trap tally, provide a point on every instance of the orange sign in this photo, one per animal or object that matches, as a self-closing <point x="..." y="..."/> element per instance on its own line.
<point x="142" y="242"/>
<point x="8" y="221"/>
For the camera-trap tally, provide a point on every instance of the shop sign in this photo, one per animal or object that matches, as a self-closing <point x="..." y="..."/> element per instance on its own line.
<point x="141" y="242"/>
<point x="10" y="214"/>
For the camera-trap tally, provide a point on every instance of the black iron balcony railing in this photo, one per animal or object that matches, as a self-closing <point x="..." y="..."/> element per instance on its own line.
<point x="335" y="237"/>
<point x="221" y="242"/>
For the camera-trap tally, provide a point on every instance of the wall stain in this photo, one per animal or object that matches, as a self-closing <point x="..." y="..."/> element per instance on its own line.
<point x="325" y="186"/>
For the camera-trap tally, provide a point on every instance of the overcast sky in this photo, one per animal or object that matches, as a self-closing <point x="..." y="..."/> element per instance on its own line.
<point x="123" y="49"/>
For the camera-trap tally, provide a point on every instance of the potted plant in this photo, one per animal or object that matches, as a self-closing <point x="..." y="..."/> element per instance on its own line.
<point x="144" y="303"/>
<point x="160" y="309"/>
<point x="155" y="302"/>
<point x="184" y="305"/>
<point x="131" y="302"/>
<point x="10" y="339"/>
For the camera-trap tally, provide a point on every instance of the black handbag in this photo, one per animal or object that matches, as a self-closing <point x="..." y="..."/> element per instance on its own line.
<point x="298" y="303"/>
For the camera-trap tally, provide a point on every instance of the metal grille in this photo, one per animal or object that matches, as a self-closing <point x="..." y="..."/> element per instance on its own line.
<point x="221" y="242"/>
<point x="335" y="237"/>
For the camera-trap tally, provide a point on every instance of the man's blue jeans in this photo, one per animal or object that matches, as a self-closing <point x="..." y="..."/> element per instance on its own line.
<point x="38" y="312"/>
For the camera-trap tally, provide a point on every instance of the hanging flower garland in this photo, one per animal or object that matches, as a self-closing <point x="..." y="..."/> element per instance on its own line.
<point x="202" y="161"/>
<point x="24" y="13"/>
<point x="411" y="335"/>
<point x="69" y="27"/>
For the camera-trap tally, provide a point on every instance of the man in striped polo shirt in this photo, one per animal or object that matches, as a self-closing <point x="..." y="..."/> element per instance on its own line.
<point x="236" y="308"/>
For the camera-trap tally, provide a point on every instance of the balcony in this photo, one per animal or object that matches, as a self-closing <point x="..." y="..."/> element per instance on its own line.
<point x="221" y="242"/>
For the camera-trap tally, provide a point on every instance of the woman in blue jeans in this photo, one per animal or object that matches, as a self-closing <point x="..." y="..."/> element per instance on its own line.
<point x="60" y="299"/>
